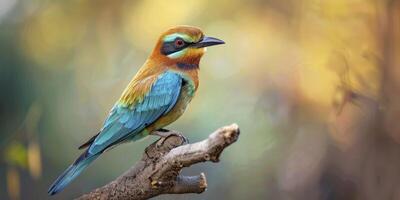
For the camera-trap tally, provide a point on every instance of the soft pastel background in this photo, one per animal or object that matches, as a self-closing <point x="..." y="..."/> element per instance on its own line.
<point x="314" y="86"/>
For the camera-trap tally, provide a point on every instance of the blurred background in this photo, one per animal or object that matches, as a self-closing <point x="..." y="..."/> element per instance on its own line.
<point x="314" y="86"/>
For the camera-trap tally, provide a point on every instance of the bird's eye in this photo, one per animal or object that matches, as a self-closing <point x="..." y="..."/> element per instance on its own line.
<point x="179" y="43"/>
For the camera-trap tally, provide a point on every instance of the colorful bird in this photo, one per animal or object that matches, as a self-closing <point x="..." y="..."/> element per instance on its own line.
<point x="157" y="96"/>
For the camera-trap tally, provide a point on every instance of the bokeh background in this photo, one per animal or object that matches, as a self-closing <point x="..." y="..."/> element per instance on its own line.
<point x="314" y="86"/>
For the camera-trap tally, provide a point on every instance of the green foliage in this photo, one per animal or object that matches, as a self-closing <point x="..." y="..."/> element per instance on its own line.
<point x="16" y="155"/>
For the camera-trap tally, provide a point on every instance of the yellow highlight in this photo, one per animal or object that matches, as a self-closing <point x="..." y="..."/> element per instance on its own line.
<point x="144" y="21"/>
<point x="13" y="183"/>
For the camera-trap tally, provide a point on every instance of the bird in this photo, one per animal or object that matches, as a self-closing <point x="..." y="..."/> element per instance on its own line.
<point x="157" y="95"/>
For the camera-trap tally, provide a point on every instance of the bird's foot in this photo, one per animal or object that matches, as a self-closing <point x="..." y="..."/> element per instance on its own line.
<point x="165" y="133"/>
<point x="168" y="141"/>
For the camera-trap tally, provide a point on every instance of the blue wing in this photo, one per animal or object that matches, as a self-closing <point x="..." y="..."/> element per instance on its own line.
<point x="127" y="121"/>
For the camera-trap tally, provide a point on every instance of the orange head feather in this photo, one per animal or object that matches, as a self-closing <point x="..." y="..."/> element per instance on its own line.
<point x="179" y="48"/>
<point x="182" y="44"/>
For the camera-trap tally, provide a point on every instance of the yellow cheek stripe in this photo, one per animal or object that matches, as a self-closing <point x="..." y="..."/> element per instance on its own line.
<point x="188" y="52"/>
<point x="178" y="54"/>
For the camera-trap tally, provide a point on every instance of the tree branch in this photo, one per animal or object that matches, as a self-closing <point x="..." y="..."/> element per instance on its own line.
<point x="158" y="171"/>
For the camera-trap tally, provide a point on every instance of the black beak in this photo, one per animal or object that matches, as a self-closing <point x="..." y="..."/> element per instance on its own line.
<point x="208" y="41"/>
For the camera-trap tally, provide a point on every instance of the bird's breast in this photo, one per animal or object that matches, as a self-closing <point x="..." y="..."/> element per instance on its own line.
<point x="187" y="93"/>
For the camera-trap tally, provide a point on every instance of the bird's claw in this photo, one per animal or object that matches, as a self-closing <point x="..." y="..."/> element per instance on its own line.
<point x="165" y="133"/>
<point x="185" y="139"/>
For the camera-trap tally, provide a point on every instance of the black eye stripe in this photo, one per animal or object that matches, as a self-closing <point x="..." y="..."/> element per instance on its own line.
<point x="170" y="47"/>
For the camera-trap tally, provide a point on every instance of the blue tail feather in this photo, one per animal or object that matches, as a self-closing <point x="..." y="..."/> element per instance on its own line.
<point x="71" y="172"/>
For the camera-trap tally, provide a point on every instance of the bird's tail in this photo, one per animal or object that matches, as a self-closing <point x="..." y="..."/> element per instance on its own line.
<point x="72" y="172"/>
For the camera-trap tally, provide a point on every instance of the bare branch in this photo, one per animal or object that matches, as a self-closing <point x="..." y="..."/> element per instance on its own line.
<point x="189" y="184"/>
<point x="158" y="171"/>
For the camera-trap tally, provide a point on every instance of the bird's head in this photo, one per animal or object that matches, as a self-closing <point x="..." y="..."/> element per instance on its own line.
<point x="183" y="44"/>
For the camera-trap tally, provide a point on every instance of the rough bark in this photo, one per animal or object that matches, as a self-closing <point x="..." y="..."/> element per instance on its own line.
<point x="158" y="171"/>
